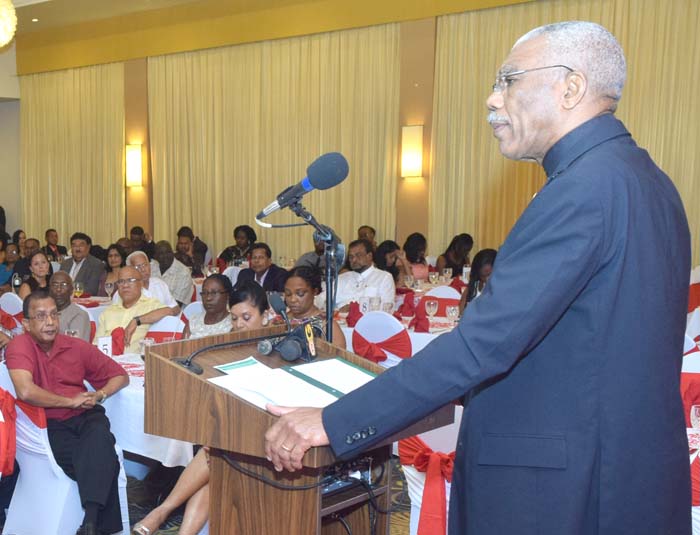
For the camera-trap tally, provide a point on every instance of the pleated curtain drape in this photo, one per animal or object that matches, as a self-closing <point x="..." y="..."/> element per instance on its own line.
<point x="231" y="127"/>
<point x="474" y="189"/>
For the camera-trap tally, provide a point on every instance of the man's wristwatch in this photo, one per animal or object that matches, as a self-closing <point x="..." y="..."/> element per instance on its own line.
<point x="137" y="319"/>
<point x="103" y="398"/>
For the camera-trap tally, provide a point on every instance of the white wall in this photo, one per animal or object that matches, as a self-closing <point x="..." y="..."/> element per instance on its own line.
<point x="9" y="163"/>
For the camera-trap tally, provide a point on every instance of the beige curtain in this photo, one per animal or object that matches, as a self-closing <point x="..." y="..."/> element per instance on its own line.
<point x="231" y="127"/>
<point x="474" y="189"/>
<point x="72" y="152"/>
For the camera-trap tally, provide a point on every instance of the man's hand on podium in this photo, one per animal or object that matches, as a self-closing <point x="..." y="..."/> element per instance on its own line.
<point x="297" y="430"/>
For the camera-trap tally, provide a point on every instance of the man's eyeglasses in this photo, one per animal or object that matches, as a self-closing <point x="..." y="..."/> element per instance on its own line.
<point x="206" y="293"/>
<point x="506" y="79"/>
<point x="128" y="282"/>
<point x="141" y="267"/>
<point x="58" y="285"/>
<point x="43" y="316"/>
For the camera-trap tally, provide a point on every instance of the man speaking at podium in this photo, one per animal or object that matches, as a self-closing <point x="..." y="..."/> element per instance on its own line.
<point x="571" y="358"/>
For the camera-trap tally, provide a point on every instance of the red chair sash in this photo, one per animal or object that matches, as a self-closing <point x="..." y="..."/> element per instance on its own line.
<point x="690" y="394"/>
<point x="8" y="433"/>
<point x="398" y="344"/>
<point x="7" y="321"/>
<point x="438" y="469"/>
<point x="36" y="414"/>
<point x="694" y="297"/>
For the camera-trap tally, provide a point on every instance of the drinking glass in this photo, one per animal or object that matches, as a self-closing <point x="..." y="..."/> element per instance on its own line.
<point x="145" y="343"/>
<point x="109" y="289"/>
<point x="447" y="273"/>
<point x="452" y="313"/>
<point x="78" y="289"/>
<point x="408" y="281"/>
<point x="375" y="303"/>
<point x="433" y="277"/>
<point x="388" y="307"/>
<point x="695" y="416"/>
<point x="213" y="270"/>
<point x="431" y="307"/>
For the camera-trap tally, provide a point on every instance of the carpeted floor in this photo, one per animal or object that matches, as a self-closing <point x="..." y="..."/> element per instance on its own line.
<point x="140" y="503"/>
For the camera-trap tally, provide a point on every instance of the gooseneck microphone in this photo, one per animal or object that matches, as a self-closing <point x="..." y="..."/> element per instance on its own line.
<point x="325" y="172"/>
<point x="267" y="346"/>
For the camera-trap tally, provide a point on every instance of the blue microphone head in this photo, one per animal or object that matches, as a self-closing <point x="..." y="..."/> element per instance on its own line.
<point x="327" y="170"/>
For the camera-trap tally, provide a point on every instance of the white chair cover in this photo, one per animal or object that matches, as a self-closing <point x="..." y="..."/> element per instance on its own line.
<point x="431" y="260"/>
<point x="445" y="292"/>
<point x="377" y="326"/>
<point x="194" y="308"/>
<point x="232" y="273"/>
<point x="11" y="303"/>
<point x="56" y="266"/>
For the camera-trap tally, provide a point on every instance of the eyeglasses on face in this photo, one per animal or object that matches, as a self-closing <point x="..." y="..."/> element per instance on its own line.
<point x="128" y="282"/>
<point x="206" y="293"/>
<point x="141" y="267"/>
<point x="506" y="79"/>
<point x="58" y="285"/>
<point x="43" y="316"/>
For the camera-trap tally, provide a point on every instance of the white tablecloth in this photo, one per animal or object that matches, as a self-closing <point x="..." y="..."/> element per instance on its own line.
<point x="125" y="412"/>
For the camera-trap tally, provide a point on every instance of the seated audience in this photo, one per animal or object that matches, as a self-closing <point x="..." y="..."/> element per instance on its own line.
<point x="478" y="276"/>
<point x="237" y="254"/>
<point x="389" y="257"/>
<point x="54" y="252"/>
<point x="11" y="258"/>
<point x="40" y="269"/>
<point x="20" y="239"/>
<point x="152" y="286"/>
<point x="78" y="429"/>
<point x="268" y="275"/>
<point x="116" y="259"/>
<point x="456" y="257"/>
<point x="127" y="245"/>
<point x="364" y="279"/>
<point x="414" y="248"/>
<point x="174" y="273"/>
<point x="302" y="286"/>
<point x="5" y="268"/>
<point x="22" y="266"/>
<point x="3" y="232"/>
<point x="191" y="251"/>
<point x="365" y="232"/>
<point x="82" y="266"/>
<point x="315" y="259"/>
<point x="134" y="311"/>
<point x="141" y="241"/>
<point x="215" y="319"/>
<point x="71" y="318"/>
<point x="248" y="312"/>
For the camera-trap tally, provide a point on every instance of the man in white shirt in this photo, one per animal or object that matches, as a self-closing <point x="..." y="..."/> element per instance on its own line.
<point x="364" y="281"/>
<point x="174" y="273"/>
<point x="152" y="286"/>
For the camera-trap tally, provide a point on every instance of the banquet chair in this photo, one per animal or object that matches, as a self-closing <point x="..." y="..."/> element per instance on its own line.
<point x="446" y="292"/>
<point x="12" y="304"/>
<point x="56" y="266"/>
<point x="435" y="442"/>
<point x="42" y="484"/>
<point x="166" y="329"/>
<point x="445" y="295"/>
<point x="93" y="325"/>
<point x="378" y="333"/>
<point x="431" y="260"/>
<point x="232" y="273"/>
<point x="190" y="310"/>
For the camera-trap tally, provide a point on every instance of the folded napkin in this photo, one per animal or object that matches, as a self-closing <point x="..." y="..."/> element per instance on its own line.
<point x="90" y="304"/>
<point x="420" y="322"/>
<point x="458" y="284"/>
<point x="354" y="314"/>
<point x="432" y="269"/>
<point x="408" y="308"/>
<point x="118" y="341"/>
<point x="403" y="290"/>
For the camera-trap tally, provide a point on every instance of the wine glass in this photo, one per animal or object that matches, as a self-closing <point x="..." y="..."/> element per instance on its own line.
<point x="452" y="313"/>
<point x="388" y="307"/>
<point x="109" y="289"/>
<point x="145" y="343"/>
<point x="375" y="303"/>
<point x="408" y="281"/>
<point x="433" y="277"/>
<point x="431" y="307"/>
<point x="695" y="416"/>
<point x="447" y="273"/>
<point x="78" y="289"/>
<point x="213" y="270"/>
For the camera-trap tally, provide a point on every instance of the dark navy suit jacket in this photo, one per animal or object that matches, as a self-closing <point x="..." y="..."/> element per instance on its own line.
<point x="571" y="358"/>
<point x="274" y="280"/>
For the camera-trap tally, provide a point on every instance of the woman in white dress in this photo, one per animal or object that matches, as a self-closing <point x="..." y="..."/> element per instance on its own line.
<point x="215" y="319"/>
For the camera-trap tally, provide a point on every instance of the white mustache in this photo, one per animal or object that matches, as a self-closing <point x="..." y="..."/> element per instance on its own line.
<point x="493" y="117"/>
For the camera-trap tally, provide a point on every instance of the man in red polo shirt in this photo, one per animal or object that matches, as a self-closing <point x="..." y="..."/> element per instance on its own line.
<point x="48" y="370"/>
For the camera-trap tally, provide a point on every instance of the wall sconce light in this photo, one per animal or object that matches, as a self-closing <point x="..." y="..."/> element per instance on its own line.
<point x="412" y="151"/>
<point x="133" y="166"/>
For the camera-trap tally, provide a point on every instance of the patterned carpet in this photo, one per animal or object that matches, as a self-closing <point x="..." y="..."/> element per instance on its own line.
<point x="141" y="502"/>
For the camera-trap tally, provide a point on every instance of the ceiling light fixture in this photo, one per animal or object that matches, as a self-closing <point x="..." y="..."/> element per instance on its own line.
<point x="35" y="20"/>
<point x="8" y="22"/>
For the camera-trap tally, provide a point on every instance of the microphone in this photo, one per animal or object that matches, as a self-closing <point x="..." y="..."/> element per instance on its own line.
<point x="325" y="172"/>
<point x="279" y="306"/>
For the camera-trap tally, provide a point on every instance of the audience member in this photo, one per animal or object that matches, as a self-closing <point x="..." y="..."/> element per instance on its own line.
<point x="11" y="258"/>
<point x="72" y="320"/>
<point x="389" y="257"/>
<point x="142" y="241"/>
<point x="3" y="233"/>
<point x="268" y="275"/>
<point x="5" y="268"/>
<point x="302" y="286"/>
<point x="49" y="370"/>
<point x="186" y="253"/>
<point x="40" y="269"/>
<point x="116" y="259"/>
<point x="199" y="250"/>
<point x="237" y="254"/>
<point x="456" y="257"/>
<point x="3" y="219"/>
<point x="315" y="259"/>
<point x="20" y="238"/>
<point x="363" y="281"/>
<point x="134" y="311"/>
<point x="215" y="319"/>
<point x="127" y="245"/>
<point x="478" y="276"/>
<point x="98" y="252"/>
<point x="174" y="273"/>
<point x="81" y="266"/>
<point x="414" y="247"/>
<point x="365" y="232"/>
<point x="248" y="312"/>
<point x="54" y="252"/>
<point x="22" y="266"/>
<point x="152" y="286"/>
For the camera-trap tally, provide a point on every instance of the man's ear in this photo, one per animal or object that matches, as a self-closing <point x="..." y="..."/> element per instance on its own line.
<point x="576" y="87"/>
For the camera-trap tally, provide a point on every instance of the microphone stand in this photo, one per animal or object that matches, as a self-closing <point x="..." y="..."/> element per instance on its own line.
<point x="333" y="249"/>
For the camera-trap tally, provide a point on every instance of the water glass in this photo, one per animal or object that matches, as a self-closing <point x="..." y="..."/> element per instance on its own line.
<point x="388" y="307"/>
<point x="452" y="313"/>
<point x="375" y="304"/>
<point x="145" y="343"/>
<point x="431" y="307"/>
<point x="213" y="270"/>
<point x="695" y="416"/>
<point x="78" y="289"/>
<point x="408" y="281"/>
<point x="433" y="277"/>
<point x="447" y="273"/>
<point x="109" y="289"/>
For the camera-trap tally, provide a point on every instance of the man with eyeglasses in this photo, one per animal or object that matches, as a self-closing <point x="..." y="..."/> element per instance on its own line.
<point x="134" y="311"/>
<point x="82" y="266"/>
<point x="570" y="359"/>
<point x="152" y="286"/>
<point x="72" y="320"/>
<point x="49" y="370"/>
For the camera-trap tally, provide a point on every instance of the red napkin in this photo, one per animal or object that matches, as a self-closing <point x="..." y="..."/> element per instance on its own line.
<point x="90" y="304"/>
<point x="7" y="321"/>
<point x="118" y="341"/>
<point x="403" y="290"/>
<point x="354" y="314"/>
<point x="85" y="295"/>
<point x="458" y="284"/>
<point x="432" y="269"/>
<point x="408" y="308"/>
<point x="420" y="323"/>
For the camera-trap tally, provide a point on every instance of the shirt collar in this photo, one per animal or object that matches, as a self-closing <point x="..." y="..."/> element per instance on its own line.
<point x="579" y="141"/>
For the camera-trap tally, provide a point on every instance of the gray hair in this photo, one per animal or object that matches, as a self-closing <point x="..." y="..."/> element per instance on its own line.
<point x="134" y="255"/>
<point x="589" y="48"/>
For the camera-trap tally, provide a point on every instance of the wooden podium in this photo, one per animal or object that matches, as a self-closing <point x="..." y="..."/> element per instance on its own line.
<point x="185" y="406"/>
